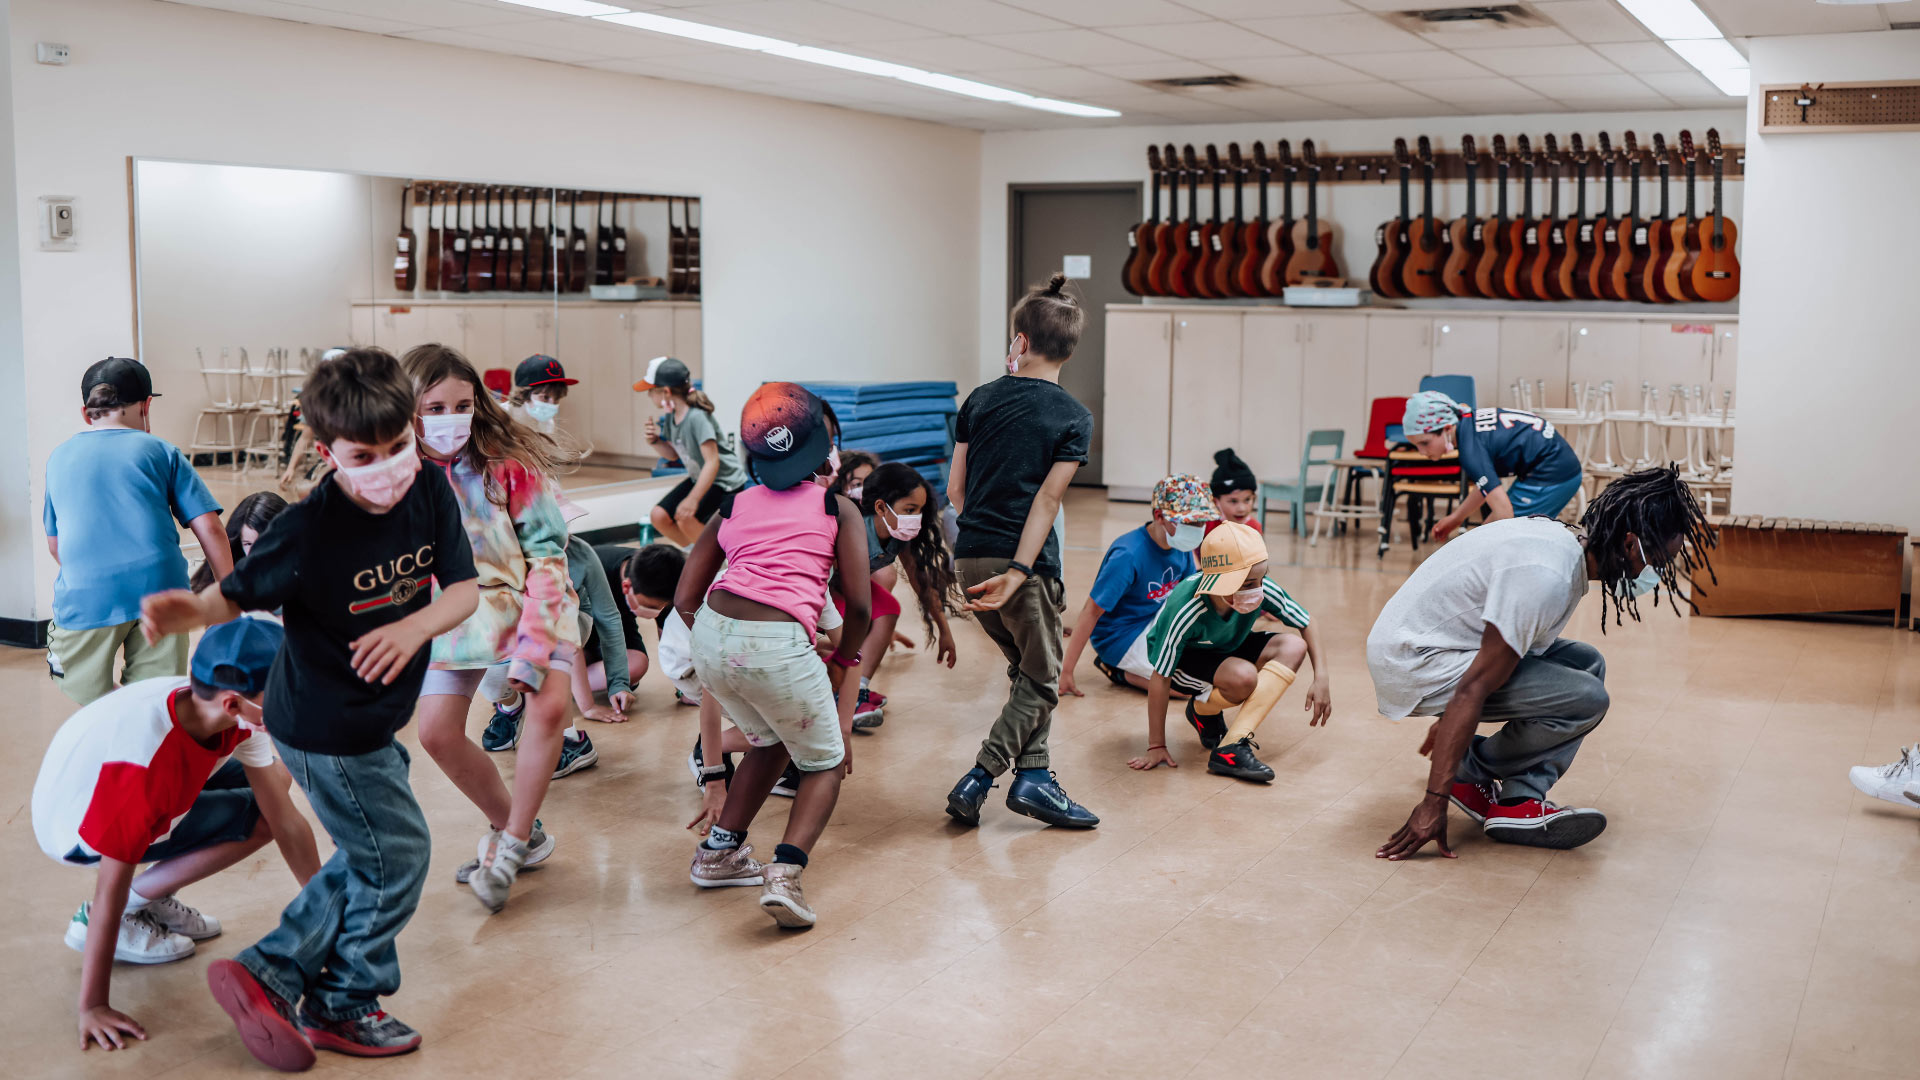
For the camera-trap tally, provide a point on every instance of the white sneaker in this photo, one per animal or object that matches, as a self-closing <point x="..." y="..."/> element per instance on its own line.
<point x="169" y="912"/>
<point x="501" y="857"/>
<point x="1890" y="782"/>
<point x="142" y="939"/>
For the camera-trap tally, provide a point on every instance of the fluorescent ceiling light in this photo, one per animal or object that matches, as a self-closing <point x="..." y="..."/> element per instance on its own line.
<point x="864" y="65"/>
<point x="1732" y="81"/>
<point x="569" y="7"/>
<point x="1672" y="19"/>
<point x="1709" y="54"/>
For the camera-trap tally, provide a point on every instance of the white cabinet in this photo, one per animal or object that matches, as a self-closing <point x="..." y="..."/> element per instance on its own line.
<point x="1532" y="351"/>
<point x="648" y="332"/>
<point x="1206" y="389"/>
<point x="1333" y="381"/>
<point x="1603" y="350"/>
<point x="686" y="342"/>
<point x="1675" y="353"/>
<point x="399" y="327"/>
<point x="1726" y="362"/>
<point x="1139" y="379"/>
<point x="360" y="325"/>
<point x="1469" y="347"/>
<point x="1399" y="355"/>
<point x="1271" y="348"/>
<point x="448" y="326"/>
<point x="524" y="332"/>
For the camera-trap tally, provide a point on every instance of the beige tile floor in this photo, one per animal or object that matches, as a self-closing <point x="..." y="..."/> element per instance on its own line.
<point x="1746" y="915"/>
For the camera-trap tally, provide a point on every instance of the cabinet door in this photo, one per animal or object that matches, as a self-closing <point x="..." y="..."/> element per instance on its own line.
<point x="1139" y="373"/>
<point x="525" y="331"/>
<point x="1333" y="384"/>
<point x="485" y="331"/>
<point x="1726" y="362"/>
<point x="360" y="325"/>
<point x="447" y="325"/>
<point x="574" y="344"/>
<point x="1532" y="351"/>
<point x="1399" y="355"/>
<point x="684" y="343"/>
<point x="1675" y="353"/>
<point x="1271" y="348"/>
<point x="1206" y="382"/>
<point x="1469" y="347"/>
<point x="651" y="332"/>
<point x="399" y="327"/>
<point x="1605" y="351"/>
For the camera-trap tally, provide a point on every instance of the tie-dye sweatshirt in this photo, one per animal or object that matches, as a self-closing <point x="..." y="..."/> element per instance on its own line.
<point x="527" y="605"/>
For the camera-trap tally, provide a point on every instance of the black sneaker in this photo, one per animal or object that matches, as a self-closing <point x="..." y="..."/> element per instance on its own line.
<point x="503" y="731"/>
<point x="1043" y="800"/>
<point x="373" y="1035"/>
<point x="1237" y="760"/>
<point x="789" y="782"/>
<point x="575" y="754"/>
<point x="697" y="761"/>
<point x="1211" y="728"/>
<point x="963" y="802"/>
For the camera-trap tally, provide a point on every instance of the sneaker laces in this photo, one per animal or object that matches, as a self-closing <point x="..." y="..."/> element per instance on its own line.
<point x="1907" y="766"/>
<point x="150" y="924"/>
<point x="171" y="905"/>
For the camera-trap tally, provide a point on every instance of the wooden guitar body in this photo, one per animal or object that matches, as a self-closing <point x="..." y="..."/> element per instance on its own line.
<point x="1512" y="275"/>
<point x="1162" y="244"/>
<point x="1569" y="281"/>
<point x="433" y="246"/>
<point x="1180" y="265"/>
<point x="1715" y="274"/>
<point x="1312" y="253"/>
<point x="403" y="245"/>
<point x="1133" y="272"/>
<point x="577" y="250"/>
<point x="1619" y="271"/>
<point x="1206" y="254"/>
<point x="1252" y="246"/>
<point x="1590" y="271"/>
<point x="536" y="280"/>
<point x="1676" y="274"/>
<point x="1273" y="271"/>
<point x="1463" y="254"/>
<point x="1390" y="255"/>
<point x="453" y="269"/>
<point x="1543" y="280"/>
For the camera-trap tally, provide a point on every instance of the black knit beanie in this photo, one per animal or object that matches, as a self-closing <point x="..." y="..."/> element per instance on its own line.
<point x="1230" y="474"/>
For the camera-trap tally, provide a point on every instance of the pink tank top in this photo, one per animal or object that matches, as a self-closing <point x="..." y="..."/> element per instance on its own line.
<point x="780" y="549"/>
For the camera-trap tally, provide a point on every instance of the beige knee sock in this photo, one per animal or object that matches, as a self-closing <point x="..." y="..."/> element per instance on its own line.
<point x="1213" y="704"/>
<point x="1274" y="679"/>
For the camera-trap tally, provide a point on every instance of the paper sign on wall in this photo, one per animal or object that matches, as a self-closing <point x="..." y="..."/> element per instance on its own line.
<point x="1077" y="266"/>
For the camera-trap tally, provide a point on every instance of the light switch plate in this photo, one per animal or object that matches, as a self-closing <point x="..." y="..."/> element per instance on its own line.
<point x="50" y="52"/>
<point x="57" y="228"/>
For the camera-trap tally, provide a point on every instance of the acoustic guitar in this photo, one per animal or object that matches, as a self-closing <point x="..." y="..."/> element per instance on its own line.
<point x="1549" y="235"/>
<point x="486" y="239"/>
<point x="1576" y="233"/>
<point x="515" y="239"/>
<point x="432" y="280"/>
<point x="676" y="253"/>
<point x="1253" y="235"/>
<point x="1630" y="264"/>
<point x="1716" y="272"/>
<point x="1133" y="272"/>
<point x="1390" y="239"/>
<point x="453" y="270"/>
<point x="1658" y="238"/>
<point x="602" y="242"/>
<point x="1682" y="234"/>
<point x="577" y="249"/>
<point x="1521" y="233"/>
<point x="1226" y="242"/>
<point x="1312" y="238"/>
<point x="1164" y="241"/>
<point x="1496" y="244"/>
<point x="1597" y="253"/>
<point x="537" y="250"/>
<point x="1464" y="233"/>
<point x="1273" y="272"/>
<point x="1186" y="234"/>
<point x="693" y="251"/>
<point x="1426" y="239"/>
<point x="403" y="268"/>
<point x="1208" y="254"/>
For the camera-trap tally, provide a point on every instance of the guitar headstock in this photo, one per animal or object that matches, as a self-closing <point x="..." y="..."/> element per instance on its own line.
<point x="1170" y="160"/>
<point x="1467" y="153"/>
<point x="1552" y="152"/>
<point x="1606" y="150"/>
<point x="1686" y="145"/>
<point x="1153" y="163"/>
<point x="1633" y="148"/>
<point x="1500" y="150"/>
<point x="1525" y="149"/>
<point x="1400" y="156"/>
<point x="1713" y="144"/>
<point x="1213" y="160"/>
<point x="1284" y="150"/>
<point x="1310" y="159"/>
<point x="1192" y="159"/>
<point x="1659" y="148"/>
<point x="1235" y="163"/>
<point x="1579" y="151"/>
<point x="1260" y="161"/>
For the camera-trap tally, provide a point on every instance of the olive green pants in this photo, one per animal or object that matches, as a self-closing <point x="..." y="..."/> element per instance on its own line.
<point x="81" y="661"/>
<point x="1027" y="629"/>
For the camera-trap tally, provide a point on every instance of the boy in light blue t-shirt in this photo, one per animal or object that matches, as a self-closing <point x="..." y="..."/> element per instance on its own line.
<point x="114" y="493"/>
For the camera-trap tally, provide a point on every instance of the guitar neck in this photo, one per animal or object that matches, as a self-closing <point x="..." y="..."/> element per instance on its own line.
<point x="1405" y="182"/>
<point x="1719" y="222"/>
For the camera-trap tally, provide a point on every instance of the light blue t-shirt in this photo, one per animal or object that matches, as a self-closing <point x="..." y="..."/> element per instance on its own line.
<point x="113" y="497"/>
<point x="1135" y="577"/>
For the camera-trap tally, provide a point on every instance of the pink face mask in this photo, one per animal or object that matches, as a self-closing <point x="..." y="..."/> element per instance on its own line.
<point x="1246" y="601"/>
<point x="385" y="482"/>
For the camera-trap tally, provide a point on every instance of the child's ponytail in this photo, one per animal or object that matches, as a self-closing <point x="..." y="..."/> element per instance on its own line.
<point x="699" y="399"/>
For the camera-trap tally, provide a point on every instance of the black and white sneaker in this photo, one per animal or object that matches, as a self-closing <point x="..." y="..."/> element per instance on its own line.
<point x="789" y="782"/>
<point x="1238" y="761"/>
<point x="1045" y="800"/>
<point x="697" y="761"/>
<point x="1211" y="729"/>
<point x="575" y="754"/>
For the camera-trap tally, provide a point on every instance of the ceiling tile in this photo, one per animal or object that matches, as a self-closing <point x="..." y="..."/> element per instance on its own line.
<point x="445" y="14"/>
<point x="957" y="16"/>
<point x="1687" y="85"/>
<point x="1558" y="60"/>
<point x="1303" y="71"/>
<point x="1642" y="57"/>
<point x="1478" y="91"/>
<point x="274" y="9"/>
<point x="1076" y="47"/>
<point x="953" y="55"/>
<point x="1371" y="95"/>
<point x="467" y="39"/>
<point x="1274" y="104"/>
<point x="745" y="66"/>
<point x="1104" y="13"/>
<point x="1159" y="69"/>
<point x="1067" y="80"/>
<point x="1770" y="18"/>
<point x="1207" y="40"/>
<point x="1401" y="66"/>
<point x="596" y="38"/>
<point x="1592" y="20"/>
<point x="807" y="21"/>
<point x="1570" y="89"/>
<point x="1330" y="34"/>
<point x="1520" y="38"/>
<point x="1241" y="10"/>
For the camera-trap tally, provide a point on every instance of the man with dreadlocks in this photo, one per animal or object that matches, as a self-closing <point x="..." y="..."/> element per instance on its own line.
<point x="1473" y="637"/>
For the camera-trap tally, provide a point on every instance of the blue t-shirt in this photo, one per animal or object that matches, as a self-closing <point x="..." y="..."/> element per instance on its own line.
<point x="113" y="497"/>
<point x="1135" y="577"/>
<point x="1508" y="442"/>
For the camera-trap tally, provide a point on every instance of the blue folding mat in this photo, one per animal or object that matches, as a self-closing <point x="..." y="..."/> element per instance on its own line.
<point x="908" y="422"/>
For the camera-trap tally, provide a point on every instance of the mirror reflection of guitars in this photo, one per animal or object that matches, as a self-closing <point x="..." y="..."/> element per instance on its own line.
<point x="1312" y="237"/>
<point x="1226" y="240"/>
<point x="1465" y="233"/>
<point x="1253" y="235"/>
<point x="432" y="280"/>
<point x="1186" y="234"/>
<point x="693" y="251"/>
<point x="1164" y="240"/>
<point x="619" y="242"/>
<point x="602" y="242"/>
<point x="1390" y="239"/>
<point x="1576" y="234"/>
<point x="1652" y="245"/>
<point x="1521" y="232"/>
<point x="676" y="254"/>
<point x="484" y="246"/>
<point x="1683" y="233"/>
<point x="1549" y="234"/>
<point x="1273" y="272"/>
<point x="1208" y="257"/>
<point x="515" y="239"/>
<point x="1598" y="250"/>
<point x="1716" y="272"/>
<point x="1427" y="238"/>
<point x="1133" y="272"/>
<point x="453" y="270"/>
<point x="1496" y="242"/>
<point x="403" y="245"/>
<point x="537" y="250"/>
<point x="577" y="247"/>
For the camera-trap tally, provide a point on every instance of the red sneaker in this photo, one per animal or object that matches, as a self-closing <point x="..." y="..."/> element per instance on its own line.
<point x="264" y="1018"/>
<point x="879" y="699"/>
<point x="1474" y="800"/>
<point x="1536" y="823"/>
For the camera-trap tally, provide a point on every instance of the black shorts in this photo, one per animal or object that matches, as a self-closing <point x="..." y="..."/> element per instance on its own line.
<point x="709" y="503"/>
<point x="590" y="648"/>
<point x="1194" y="673"/>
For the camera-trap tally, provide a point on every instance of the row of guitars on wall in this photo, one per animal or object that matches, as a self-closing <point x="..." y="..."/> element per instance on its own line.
<point x="1214" y="259"/>
<point x="1659" y="259"/>
<point x="491" y="239"/>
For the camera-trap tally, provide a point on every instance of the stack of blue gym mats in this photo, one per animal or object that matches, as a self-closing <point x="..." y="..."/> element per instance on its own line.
<point x="910" y="422"/>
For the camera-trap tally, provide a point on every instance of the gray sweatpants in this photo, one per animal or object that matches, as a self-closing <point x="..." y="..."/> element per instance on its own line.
<point x="1549" y="704"/>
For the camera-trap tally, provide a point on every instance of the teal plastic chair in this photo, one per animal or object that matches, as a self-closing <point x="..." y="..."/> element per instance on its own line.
<point x="1299" y="493"/>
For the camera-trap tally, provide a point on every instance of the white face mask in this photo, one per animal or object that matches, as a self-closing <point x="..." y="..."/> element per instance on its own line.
<point x="642" y="612"/>
<point x="833" y="468"/>
<point x="542" y="411"/>
<point x="1648" y="578"/>
<point x="1013" y="356"/>
<point x="446" y="434"/>
<point x="385" y="482"/>
<point x="1186" y="537"/>
<point x="853" y="491"/>
<point x="903" y="526"/>
<point x="1246" y="601"/>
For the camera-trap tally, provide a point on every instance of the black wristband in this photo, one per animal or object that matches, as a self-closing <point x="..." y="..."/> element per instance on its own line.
<point x="1441" y="794"/>
<point x="1015" y="564"/>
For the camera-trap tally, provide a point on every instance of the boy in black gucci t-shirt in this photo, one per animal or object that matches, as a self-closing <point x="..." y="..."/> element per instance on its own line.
<point x="352" y="567"/>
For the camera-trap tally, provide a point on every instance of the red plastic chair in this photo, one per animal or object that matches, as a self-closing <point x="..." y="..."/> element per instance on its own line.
<point x="1387" y="411"/>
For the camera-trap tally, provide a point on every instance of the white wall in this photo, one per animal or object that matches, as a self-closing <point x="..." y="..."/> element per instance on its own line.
<point x="1110" y="154"/>
<point x="20" y="534"/>
<point x="817" y="228"/>
<point x="1828" y="382"/>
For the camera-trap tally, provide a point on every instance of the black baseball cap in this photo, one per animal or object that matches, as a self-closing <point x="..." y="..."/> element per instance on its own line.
<point x="129" y="378"/>
<point x="665" y="372"/>
<point x="541" y="370"/>
<point x="785" y="433"/>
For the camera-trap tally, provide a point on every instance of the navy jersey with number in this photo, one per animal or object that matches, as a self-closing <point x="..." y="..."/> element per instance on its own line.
<point x="1508" y="442"/>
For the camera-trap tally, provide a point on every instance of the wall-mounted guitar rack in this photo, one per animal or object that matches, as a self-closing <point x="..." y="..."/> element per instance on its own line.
<point x="1451" y="165"/>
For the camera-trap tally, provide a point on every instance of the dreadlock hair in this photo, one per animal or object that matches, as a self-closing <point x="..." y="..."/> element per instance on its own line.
<point x="1654" y="505"/>
<point x="930" y="570"/>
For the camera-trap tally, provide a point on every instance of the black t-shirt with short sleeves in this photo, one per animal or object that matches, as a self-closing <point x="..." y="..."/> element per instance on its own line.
<point x="1015" y="430"/>
<point x="337" y="572"/>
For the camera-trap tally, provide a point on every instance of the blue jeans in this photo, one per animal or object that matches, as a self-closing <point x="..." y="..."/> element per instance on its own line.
<point x="335" y="942"/>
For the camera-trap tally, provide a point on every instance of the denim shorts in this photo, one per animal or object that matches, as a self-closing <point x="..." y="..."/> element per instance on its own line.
<point x="772" y="684"/>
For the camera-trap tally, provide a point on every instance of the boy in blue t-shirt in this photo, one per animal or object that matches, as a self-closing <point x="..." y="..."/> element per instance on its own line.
<point x="1496" y="443"/>
<point x="1136" y="574"/>
<point x="114" y="493"/>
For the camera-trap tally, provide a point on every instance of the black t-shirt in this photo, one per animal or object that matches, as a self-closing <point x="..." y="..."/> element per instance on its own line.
<point x="612" y="557"/>
<point x="1015" y="430"/>
<point x="337" y="573"/>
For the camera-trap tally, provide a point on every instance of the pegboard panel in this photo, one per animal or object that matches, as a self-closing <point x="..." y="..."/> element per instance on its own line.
<point x="1876" y="106"/>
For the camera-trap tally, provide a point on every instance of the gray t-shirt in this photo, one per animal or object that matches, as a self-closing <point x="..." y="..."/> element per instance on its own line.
<point x="1523" y="576"/>
<point x="687" y="435"/>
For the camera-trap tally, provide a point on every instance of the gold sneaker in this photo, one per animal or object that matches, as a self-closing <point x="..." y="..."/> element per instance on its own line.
<point x="719" y="869"/>
<point x="782" y="898"/>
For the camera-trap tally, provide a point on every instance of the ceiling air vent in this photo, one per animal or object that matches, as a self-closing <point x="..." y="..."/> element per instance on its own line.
<point x="1203" y="84"/>
<point x="1476" y="17"/>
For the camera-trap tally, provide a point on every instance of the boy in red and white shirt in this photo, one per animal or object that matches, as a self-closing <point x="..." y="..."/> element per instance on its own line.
<point x="176" y="772"/>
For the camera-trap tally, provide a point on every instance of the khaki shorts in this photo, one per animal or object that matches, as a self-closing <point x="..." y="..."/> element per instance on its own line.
<point x="772" y="685"/>
<point x="82" y="661"/>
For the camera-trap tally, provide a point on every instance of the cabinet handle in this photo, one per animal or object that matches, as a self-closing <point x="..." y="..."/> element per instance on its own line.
<point x="1426" y="335"/>
<point x="1309" y="330"/>
<point x="1166" y="330"/>
<point x="1559" y="340"/>
<point x="1298" y="332"/>
<point x="1179" y="330"/>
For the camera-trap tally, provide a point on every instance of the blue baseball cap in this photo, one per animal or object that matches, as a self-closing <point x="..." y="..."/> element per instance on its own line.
<point x="237" y="655"/>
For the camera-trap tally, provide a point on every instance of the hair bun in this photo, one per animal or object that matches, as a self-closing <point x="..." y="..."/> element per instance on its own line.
<point x="1055" y="284"/>
<point x="1224" y="457"/>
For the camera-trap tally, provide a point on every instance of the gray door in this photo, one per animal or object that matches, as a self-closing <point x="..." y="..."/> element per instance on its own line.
<point x="1050" y="224"/>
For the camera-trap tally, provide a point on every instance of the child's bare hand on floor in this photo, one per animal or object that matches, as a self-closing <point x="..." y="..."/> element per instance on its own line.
<point x="713" y="796"/>
<point x="104" y="1024"/>
<point x="1153" y="758"/>
<point x="605" y="714"/>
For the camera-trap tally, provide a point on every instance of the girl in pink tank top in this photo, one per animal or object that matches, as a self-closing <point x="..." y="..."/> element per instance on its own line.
<point x="753" y="642"/>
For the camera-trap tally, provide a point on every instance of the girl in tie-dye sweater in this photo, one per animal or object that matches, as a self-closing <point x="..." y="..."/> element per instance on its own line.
<point x="502" y="472"/>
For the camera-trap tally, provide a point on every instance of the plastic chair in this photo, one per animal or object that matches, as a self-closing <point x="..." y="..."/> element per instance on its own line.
<point x="1383" y="427"/>
<point x="1457" y="387"/>
<point x="1298" y="494"/>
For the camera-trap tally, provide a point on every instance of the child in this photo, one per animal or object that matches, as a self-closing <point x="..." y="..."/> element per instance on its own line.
<point x="855" y="467"/>
<point x="499" y="470"/>
<point x="1235" y="491"/>
<point x="168" y="771"/>
<point x="687" y="432"/>
<point x="1019" y="440"/>
<point x="1204" y="638"/>
<point x="753" y="641"/>
<point x="602" y="618"/>
<point x="113" y="495"/>
<point x="894" y="497"/>
<point x="1137" y="573"/>
<point x="244" y="526"/>
<point x="1498" y="442"/>
<point x="351" y="566"/>
<point x="539" y="385"/>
